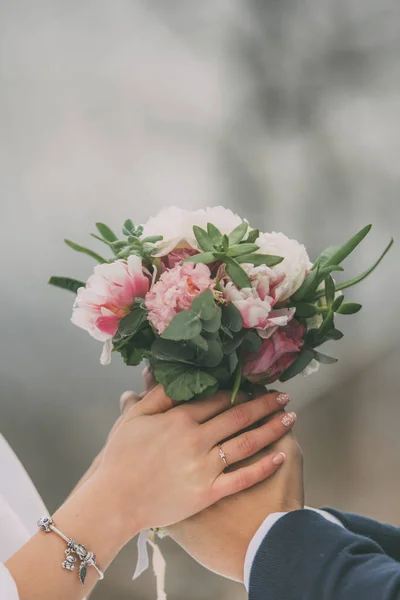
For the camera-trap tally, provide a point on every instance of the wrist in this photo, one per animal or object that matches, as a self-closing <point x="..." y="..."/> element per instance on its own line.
<point x="93" y="516"/>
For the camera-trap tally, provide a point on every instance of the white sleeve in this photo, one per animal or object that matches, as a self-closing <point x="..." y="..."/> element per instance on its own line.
<point x="8" y="588"/>
<point x="262" y="532"/>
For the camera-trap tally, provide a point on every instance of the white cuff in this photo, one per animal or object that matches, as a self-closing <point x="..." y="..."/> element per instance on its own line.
<point x="8" y="588"/>
<point x="263" y="531"/>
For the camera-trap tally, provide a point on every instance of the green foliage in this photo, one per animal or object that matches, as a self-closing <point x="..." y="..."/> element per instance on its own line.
<point x="66" y="283"/>
<point x="182" y="382"/>
<point x="87" y="251"/>
<point x="298" y="365"/>
<point x="232" y="318"/>
<point x="237" y="235"/>
<point x="184" y="326"/>
<point x="349" y="308"/>
<point x="131" y="324"/>
<point x="106" y="232"/>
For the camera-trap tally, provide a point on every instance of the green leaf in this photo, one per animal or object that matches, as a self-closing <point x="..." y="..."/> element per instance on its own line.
<point x="225" y="243"/>
<point x="84" y="250"/>
<point x="238" y="234"/>
<point x="204" y="257"/>
<point x="232" y="318"/>
<point x="181" y="382"/>
<point x="131" y="355"/>
<point x="212" y="357"/>
<point x="253" y="236"/>
<point x="269" y="260"/>
<point x="222" y="375"/>
<point x="364" y="275"/>
<point x="204" y="306"/>
<point x="240" y="249"/>
<point x="100" y="239"/>
<point x="128" y="227"/>
<point x="324" y="358"/>
<point x="337" y="303"/>
<point x="298" y="365"/>
<point x="304" y="310"/>
<point x="309" y="284"/>
<point x="167" y="350"/>
<point x="326" y="255"/>
<point x="236" y="385"/>
<point x="227" y="331"/>
<point x="184" y="326"/>
<point x="213" y="324"/>
<point x="347" y="248"/>
<point x="130" y="324"/>
<point x="214" y="234"/>
<point x="327" y="325"/>
<point x="152" y="239"/>
<point x="106" y="232"/>
<point x="233" y="362"/>
<point x="233" y="344"/>
<point x="314" y="341"/>
<point x="236" y="273"/>
<point x="329" y="290"/>
<point x="200" y="342"/>
<point x="66" y="283"/>
<point x="251" y="342"/>
<point x="349" y="308"/>
<point x="203" y="239"/>
<point x="209" y="391"/>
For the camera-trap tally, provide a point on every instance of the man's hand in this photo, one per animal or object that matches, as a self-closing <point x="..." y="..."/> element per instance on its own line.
<point x="219" y="537"/>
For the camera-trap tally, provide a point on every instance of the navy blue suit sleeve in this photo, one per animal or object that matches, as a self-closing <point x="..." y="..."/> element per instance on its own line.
<point x="305" y="557"/>
<point x="386" y="536"/>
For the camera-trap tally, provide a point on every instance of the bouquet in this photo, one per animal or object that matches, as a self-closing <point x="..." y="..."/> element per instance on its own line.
<point x="211" y="302"/>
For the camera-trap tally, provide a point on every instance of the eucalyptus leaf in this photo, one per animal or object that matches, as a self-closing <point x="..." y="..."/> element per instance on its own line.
<point x="184" y="326"/>
<point x="238" y="234"/>
<point x="269" y="260"/>
<point x="214" y="234"/>
<point x="106" y="232"/>
<point x="232" y="345"/>
<point x="130" y="324"/>
<point x="349" y="308"/>
<point x="227" y="331"/>
<point x="213" y="325"/>
<point x="232" y="318"/>
<point x="203" y="239"/>
<point x="251" y="342"/>
<point x="204" y="306"/>
<point x="236" y="273"/>
<point x="212" y="357"/>
<point x="204" y="257"/>
<point x="168" y="350"/>
<point x="241" y="249"/>
<point x="200" y="342"/>
<point x="87" y="251"/>
<point x="66" y="283"/>
<point x="181" y="382"/>
<point x="304" y="359"/>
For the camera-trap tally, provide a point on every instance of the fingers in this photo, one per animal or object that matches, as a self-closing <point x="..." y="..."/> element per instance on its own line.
<point x="237" y="481"/>
<point x="149" y="380"/>
<point x="127" y="400"/>
<point x="205" y="409"/>
<point x="154" y="402"/>
<point x="242" y="416"/>
<point x="250" y="442"/>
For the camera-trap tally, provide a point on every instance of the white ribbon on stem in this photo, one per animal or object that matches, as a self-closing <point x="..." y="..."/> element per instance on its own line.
<point x="158" y="563"/>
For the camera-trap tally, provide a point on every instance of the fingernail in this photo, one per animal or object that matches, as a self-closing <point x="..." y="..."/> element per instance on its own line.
<point x="279" y="458"/>
<point x="283" y="399"/>
<point x="289" y="419"/>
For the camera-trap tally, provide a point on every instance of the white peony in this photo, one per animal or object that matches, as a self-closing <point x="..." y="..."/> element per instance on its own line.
<point x="176" y="226"/>
<point x="296" y="261"/>
<point x="311" y="368"/>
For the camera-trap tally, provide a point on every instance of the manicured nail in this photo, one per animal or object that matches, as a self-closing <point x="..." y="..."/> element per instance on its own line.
<point x="279" y="458"/>
<point x="289" y="419"/>
<point x="283" y="399"/>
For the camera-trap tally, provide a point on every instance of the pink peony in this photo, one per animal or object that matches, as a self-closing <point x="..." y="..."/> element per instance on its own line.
<point x="276" y="354"/>
<point x="108" y="297"/>
<point x="175" y="291"/>
<point x="256" y="303"/>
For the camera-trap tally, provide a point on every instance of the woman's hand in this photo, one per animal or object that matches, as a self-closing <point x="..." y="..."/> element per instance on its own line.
<point x="163" y="461"/>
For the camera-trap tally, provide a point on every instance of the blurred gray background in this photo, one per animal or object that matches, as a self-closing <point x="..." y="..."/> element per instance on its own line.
<point x="287" y="112"/>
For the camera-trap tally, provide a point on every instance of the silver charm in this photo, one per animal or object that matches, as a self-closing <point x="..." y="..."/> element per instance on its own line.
<point x="44" y="524"/>
<point x="69" y="562"/>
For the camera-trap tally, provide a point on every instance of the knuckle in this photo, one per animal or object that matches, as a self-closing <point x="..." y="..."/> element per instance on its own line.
<point x="268" y="404"/>
<point x="241" y="481"/>
<point x="246" y="445"/>
<point x="240" y="416"/>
